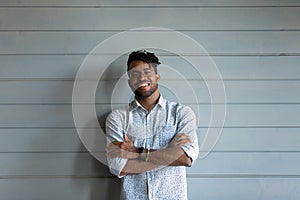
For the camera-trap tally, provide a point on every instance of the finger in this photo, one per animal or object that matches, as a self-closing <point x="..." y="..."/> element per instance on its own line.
<point x="124" y="146"/>
<point x="182" y="143"/>
<point x="187" y="140"/>
<point x="117" y="143"/>
<point x="121" y="147"/>
<point x="183" y="139"/>
<point x="181" y="135"/>
<point x="126" y="138"/>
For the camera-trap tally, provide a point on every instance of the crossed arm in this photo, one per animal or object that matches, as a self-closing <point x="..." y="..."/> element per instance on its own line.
<point x="173" y="155"/>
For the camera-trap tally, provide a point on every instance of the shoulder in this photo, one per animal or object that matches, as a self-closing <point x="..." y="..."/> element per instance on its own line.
<point x="180" y="108"/>
<point x="185" y="111"/>
<point x="118" y="114"/>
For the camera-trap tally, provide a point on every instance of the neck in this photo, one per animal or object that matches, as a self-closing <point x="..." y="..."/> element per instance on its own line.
<point x="149" y="102"/>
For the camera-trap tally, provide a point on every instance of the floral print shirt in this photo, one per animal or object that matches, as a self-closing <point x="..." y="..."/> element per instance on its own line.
<point x="153" y="130"/>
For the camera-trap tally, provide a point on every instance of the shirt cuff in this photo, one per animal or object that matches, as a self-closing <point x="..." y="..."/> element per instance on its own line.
<point x="116" y="165"/>
<point x="190" y="151"/>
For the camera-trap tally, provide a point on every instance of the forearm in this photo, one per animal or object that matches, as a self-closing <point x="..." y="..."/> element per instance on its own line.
<point x="173" y="156"/>
<point x="135" y="166"/>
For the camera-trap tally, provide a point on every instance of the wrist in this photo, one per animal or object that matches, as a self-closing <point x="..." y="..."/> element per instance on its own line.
<point x="136" y="152"/>
<point x="144" y="154"/>
<point x="140" y="153"/>
<point x="147" y="155"/>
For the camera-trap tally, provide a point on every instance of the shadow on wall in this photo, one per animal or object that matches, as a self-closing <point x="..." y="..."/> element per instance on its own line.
<point x="105" y="186"/>
<point x="93" y="179"/>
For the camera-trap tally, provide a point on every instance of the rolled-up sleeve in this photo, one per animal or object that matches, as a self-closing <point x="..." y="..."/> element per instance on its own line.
<point x="188" y="125"/>
<point x="114" y="132"/>
<point x="116" y="165"/>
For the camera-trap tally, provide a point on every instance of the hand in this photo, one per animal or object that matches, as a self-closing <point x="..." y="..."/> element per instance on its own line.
<point x="180" y="140"/>
<point x="124" y="149"/>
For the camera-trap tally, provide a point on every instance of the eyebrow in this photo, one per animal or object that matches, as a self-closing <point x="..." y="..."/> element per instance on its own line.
<point x="146" y="68"/>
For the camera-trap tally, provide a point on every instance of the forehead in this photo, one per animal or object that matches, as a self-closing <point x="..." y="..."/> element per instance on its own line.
<point x="138" y="65"/>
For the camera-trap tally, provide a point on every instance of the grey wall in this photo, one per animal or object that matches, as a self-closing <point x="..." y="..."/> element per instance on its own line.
<point x="255" y="44"/>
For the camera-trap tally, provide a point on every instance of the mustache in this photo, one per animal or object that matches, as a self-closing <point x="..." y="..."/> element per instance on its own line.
<point x="142" y="82"/>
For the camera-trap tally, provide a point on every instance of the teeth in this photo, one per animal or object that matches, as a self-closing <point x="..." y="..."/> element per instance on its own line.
<point x="144" y="85"/>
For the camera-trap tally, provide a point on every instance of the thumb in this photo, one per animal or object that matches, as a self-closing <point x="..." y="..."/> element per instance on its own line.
<point x="126" y="138"/>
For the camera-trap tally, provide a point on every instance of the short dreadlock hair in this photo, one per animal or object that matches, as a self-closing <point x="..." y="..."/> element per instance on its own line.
<point x="144" y="56"/>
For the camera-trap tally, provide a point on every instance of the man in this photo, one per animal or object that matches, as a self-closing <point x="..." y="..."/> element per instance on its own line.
<point x="152" y="140"/>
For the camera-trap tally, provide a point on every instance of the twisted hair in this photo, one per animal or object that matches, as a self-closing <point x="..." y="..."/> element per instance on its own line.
<point x="144" y="56"/>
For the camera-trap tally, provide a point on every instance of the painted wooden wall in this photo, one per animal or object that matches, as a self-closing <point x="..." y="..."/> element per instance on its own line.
<point x="255" y="44"/>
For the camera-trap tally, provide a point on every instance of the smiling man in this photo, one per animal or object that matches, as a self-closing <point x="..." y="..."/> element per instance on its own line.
<point x="151" y="141"/>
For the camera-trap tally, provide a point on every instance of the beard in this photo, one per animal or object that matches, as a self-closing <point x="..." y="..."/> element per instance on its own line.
<point x="146" y="94"/>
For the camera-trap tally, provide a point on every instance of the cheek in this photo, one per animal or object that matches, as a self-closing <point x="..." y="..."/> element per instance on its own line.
<point x="131" y="84"/>
<point x="154" y="80"/>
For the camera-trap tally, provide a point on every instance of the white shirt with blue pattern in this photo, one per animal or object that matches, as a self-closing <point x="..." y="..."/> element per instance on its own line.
<point x="153" y="130"/>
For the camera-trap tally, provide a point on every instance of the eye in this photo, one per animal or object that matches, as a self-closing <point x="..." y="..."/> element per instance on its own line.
<point x="147" y="72"/>
<point x="134" y="74"/>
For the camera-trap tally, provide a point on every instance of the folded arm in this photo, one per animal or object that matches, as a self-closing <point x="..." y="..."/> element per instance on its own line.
<point x="137" y="163"/>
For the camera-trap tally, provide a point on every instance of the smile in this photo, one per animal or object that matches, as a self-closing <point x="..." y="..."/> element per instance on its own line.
<point x="143" y="85"/>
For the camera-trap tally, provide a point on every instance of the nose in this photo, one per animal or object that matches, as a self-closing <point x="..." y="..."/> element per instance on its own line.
<point x="142" y="75"/>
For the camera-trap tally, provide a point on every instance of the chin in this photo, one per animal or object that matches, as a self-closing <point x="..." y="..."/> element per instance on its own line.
<point x="145" y="94"/>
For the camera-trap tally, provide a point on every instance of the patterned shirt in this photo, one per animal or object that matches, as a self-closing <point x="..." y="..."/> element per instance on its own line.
<point x="153" y="130"/>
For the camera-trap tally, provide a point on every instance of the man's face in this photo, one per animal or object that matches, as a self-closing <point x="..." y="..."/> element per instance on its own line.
<point x="142" y="79"/>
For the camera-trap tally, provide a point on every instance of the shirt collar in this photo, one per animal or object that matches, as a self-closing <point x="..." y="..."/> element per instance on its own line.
<point x="135" y="104"/>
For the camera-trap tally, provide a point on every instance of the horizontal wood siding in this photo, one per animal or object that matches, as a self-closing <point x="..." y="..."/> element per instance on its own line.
<point x="254" y="44"/>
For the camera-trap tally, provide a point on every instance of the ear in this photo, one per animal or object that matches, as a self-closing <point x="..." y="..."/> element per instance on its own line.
<point x="158" y="77"/>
